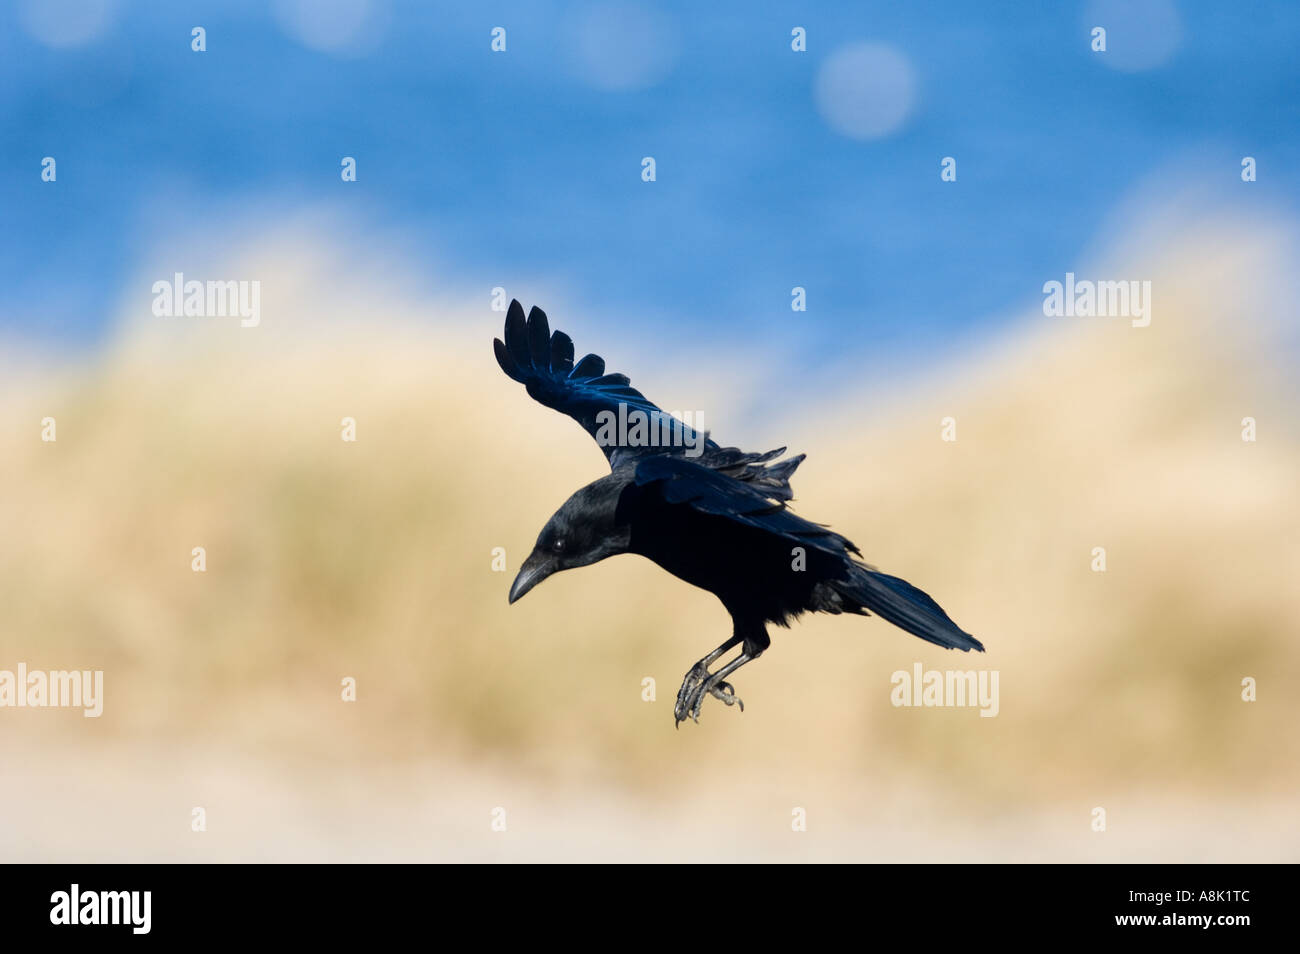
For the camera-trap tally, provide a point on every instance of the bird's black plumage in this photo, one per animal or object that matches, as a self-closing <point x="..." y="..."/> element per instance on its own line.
<point x="716" y="517"/>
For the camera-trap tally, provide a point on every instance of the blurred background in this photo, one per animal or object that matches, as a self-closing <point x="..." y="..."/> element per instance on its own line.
<point x="522" y="170"/>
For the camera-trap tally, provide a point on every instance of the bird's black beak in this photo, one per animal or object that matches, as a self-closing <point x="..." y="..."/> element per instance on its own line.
<point x="534" y="570"/>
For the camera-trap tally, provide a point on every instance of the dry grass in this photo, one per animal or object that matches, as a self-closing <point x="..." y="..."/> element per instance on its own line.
<point x="328" y="559"/>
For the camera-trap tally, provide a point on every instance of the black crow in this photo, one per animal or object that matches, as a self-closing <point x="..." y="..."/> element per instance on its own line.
<point x="713" y="516"/>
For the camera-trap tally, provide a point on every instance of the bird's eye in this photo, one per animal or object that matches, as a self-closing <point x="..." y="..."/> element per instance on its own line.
<point x="558" y="545"/>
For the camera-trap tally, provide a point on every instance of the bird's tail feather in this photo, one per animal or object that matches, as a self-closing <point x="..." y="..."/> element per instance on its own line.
<point x="905" y="606"/>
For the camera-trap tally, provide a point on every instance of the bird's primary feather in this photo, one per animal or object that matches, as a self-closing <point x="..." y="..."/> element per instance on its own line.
<point x="543" y="363"/>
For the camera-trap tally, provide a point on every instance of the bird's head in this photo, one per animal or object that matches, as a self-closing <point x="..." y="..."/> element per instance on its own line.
<point x="583" y="531"/>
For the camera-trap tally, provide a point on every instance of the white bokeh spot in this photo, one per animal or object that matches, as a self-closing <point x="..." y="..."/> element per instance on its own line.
<point x="865" y="90"/>
<point x="332" y="26"/>
<point x="65" y="23"/>
<point x="1140" y="34"/>
<point x="624" y="46"/>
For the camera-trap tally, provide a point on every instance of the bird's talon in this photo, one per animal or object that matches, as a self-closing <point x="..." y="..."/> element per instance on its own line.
<point x="726" y="692"/>
<point x="697" y="685"/>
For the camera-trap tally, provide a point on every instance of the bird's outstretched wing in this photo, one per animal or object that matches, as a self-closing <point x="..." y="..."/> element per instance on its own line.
<point x="743" y="488"/>
<point x="619" y="417"/>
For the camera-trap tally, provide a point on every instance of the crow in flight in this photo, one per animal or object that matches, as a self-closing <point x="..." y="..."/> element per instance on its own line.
<point x="713" y="516"/>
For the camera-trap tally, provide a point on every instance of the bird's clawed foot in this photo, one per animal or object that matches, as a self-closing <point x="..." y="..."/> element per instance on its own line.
<point x="699" y="682"/>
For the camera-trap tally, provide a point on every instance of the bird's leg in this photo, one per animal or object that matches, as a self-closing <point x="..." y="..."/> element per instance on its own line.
<point x="715" y="686"/>
<point x="696" y="677"/>
<point x="699" y="682"/>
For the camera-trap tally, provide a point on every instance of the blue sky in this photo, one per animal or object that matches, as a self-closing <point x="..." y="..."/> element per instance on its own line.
<point x="528" y="162"/>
